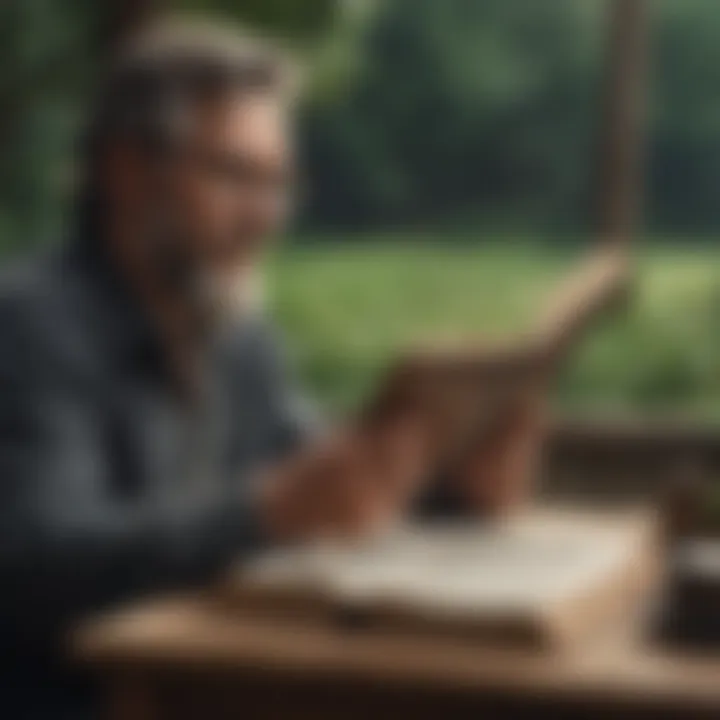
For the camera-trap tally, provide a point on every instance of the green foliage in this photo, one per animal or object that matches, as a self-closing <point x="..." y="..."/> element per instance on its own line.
<point x="462" y="110"/>
<point x="686" y="137"/>
<point x="44" y="61"/>
<point x="477" y="110"/>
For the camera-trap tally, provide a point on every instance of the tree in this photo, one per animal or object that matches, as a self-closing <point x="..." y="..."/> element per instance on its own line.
<point x="464" y="108"/>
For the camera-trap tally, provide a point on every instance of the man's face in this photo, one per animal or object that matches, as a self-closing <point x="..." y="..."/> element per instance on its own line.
<point x="209" y="208"/>
<point x="228" y="186"/>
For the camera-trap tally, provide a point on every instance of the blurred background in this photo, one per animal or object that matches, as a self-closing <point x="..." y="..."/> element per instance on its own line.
<point x="447" y="174"/>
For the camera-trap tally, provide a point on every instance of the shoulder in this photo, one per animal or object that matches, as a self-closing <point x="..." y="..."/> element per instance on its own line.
<point x="40" y="318"/>
<point x="27" y="297"/>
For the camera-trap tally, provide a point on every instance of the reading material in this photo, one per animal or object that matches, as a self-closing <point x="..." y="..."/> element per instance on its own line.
<point x="547" y="579"/>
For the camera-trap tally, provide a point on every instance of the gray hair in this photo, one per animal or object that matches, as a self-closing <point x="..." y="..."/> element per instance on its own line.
<point x="175" y="64"/>
<point x="162" y="73"/>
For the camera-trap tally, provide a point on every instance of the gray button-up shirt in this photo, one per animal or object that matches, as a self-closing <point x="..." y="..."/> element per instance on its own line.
<point x="110" y="485"/>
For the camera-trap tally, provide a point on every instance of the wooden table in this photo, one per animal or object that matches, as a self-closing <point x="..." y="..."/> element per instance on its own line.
<point x="184" y="658"/>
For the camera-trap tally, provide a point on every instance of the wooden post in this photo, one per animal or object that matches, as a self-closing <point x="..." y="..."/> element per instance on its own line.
<point x="622" y="119"/>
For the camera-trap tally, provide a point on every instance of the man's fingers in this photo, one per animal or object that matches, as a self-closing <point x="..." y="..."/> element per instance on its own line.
<point x="352" y="484"/>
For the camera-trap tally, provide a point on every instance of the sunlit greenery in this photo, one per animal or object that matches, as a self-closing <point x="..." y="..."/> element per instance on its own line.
<point x="349" y="310"/>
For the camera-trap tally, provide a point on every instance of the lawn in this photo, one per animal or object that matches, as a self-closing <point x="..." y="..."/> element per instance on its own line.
<point x="348" y="307"/>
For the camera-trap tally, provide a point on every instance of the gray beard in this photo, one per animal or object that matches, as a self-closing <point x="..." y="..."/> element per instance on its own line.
<point x="213" y="298"/>
<point x="231" y="296"/>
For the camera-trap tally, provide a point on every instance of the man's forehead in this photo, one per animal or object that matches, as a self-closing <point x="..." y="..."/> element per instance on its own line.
<point x="244" y="122"/>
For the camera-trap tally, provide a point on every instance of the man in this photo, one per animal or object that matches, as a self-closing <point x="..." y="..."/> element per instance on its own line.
<point x="148" y="432"/>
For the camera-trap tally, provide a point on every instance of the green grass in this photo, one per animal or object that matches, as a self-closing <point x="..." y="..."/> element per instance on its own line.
<point x="348" y="308"/>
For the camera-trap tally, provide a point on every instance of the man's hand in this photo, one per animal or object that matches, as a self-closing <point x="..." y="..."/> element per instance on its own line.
<point x="497" y="476"/>
<point x="353" y="483"/>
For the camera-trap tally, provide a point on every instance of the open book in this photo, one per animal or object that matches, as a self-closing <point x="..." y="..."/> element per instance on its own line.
<point x="550" y="579"/>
